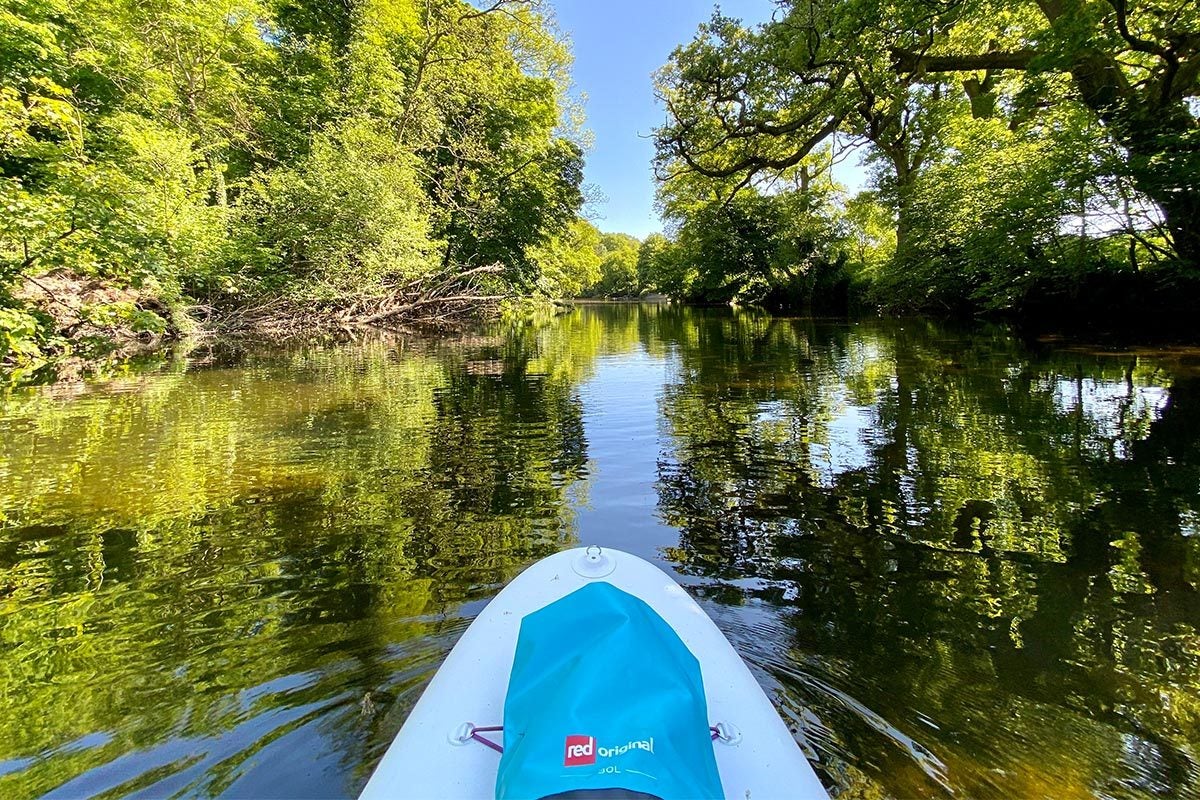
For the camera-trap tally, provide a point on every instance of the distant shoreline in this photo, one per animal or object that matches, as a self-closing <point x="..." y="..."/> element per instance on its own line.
<point x="650" y="298"/>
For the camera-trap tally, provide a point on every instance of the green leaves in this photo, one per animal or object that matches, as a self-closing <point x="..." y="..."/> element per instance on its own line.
<point x="18" y="337"/>
<point x="348" y="216"/>
<point x="569" y="262"/>
<point x="235" y="149"/>
<point x="782" y="244"/>
<point x="987" y="126"/>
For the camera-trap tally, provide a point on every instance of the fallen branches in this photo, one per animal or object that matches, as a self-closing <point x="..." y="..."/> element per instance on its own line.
<point x="441" y="299"/>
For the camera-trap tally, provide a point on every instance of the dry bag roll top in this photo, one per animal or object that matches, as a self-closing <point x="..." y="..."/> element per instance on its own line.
<point x="604" y="700"/>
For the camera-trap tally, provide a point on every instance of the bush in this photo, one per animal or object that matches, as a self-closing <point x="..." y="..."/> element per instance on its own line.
<point x="19" y="338"/>
<point x="350" y="216"/>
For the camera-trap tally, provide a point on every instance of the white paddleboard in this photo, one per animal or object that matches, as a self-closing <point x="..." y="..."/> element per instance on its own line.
<point x="431" y="758"/>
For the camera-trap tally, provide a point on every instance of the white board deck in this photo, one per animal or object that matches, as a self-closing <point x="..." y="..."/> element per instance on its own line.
<point x="424" y="762"/>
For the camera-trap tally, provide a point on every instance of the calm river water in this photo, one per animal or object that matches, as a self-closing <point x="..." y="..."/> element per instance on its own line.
<point x="960" y="566"/>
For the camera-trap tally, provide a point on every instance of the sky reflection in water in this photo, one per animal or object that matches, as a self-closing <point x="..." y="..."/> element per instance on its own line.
<point x="962" y="566"/>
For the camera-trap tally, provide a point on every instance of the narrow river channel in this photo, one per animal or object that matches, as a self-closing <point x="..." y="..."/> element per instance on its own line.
<point x="962" y="565"/>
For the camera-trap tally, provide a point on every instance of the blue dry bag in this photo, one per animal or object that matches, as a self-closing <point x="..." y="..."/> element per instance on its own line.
<point x="604" y="695"/>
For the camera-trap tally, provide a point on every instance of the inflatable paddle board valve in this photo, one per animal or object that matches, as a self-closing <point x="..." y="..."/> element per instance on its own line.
<point x="594" y="563"/>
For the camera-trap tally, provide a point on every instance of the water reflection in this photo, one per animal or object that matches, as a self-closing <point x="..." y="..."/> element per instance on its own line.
<point x="961" y="565"/>
<point x="981" y="546"/>
<point x="216" y="581"/>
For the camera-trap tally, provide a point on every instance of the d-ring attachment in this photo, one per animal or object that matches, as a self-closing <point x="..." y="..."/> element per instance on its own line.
<point x="593" y="563"/>
<point x="462" y="734"/>
<point x="727" y="733"/>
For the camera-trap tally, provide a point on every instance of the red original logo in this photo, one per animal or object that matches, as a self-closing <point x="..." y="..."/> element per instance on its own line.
<point x="580" y="751"/>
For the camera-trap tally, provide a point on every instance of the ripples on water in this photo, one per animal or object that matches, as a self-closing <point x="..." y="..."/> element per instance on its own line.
<point x="960" y="565"/>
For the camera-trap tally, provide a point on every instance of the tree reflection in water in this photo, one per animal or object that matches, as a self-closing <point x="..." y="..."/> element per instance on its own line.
<point x="991" y="548"/>
<point x="960" y="565"/>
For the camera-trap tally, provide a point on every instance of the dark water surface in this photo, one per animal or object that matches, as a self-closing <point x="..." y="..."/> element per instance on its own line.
<point x="960" y="566"/>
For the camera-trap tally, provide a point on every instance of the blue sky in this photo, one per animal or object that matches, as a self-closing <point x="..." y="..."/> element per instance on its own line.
<point x="617" y="45"/>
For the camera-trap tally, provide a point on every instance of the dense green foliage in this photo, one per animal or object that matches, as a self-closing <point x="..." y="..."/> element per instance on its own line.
<point x="585" y="262"/>
<point x="217" y="152"/>
<point x="785" y="248"/>
<point x="1019" y="151"/>
<point x="618" y="266"/>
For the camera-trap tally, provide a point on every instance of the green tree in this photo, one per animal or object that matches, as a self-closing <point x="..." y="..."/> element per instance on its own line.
<point x="779" y="242"/>
<point x="1134" y="65"/>
<point x="1034" y="113"/>
<point x="618" y="266"/>
<point x="744" y="103"/>
<point x="279" y="154"/>
<point x="651" y="258"/>
<point x="570" y="261"/>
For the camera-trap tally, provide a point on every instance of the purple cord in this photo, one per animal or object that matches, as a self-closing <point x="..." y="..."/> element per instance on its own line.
<point x="487" y="742"/>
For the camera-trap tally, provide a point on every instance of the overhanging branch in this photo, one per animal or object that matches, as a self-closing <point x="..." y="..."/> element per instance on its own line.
<point x="909" y="61"/>
<point x="755" y="163"/>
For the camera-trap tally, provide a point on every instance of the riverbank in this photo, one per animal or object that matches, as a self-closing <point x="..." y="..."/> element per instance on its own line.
<point x="102" y="331"/>
<point x="170" y="171"/>
<point x="65" y="326"/>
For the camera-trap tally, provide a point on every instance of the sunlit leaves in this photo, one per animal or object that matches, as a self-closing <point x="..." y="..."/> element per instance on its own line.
<point x="568" y="262"/>
<point x="1086" y="97"/>
<point x="234" y="150"/>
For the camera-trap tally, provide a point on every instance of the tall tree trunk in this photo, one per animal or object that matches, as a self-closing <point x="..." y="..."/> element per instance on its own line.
<point x="982" y="95"/>
<point x="903" y="227"/>
<point x="906" y="177"/>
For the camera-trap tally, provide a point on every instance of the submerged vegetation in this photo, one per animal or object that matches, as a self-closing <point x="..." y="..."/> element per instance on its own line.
<point x="1022" y="154"/>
